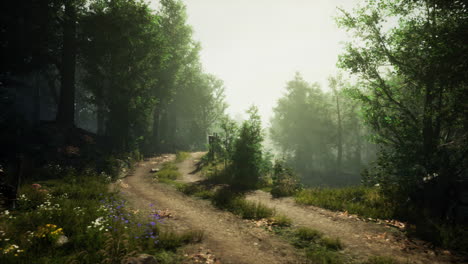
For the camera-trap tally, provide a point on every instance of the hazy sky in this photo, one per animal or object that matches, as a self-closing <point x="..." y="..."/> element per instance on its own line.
<point x="256" y="46"/>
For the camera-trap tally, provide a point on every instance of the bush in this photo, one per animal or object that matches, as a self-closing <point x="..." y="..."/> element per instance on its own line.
<point x="285" y="182"/>
<point x="247" y="157"/>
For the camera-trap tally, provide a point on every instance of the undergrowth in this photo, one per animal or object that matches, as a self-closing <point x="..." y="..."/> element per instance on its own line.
<point x="236" y="203"/>
<point x="168" y="171"/>
<point x="76" y="220"/>
<point x="181" y="156"/>
<point x="363" y="201"/>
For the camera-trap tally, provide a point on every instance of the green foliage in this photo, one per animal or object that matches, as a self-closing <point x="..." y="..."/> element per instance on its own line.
<point x="80" y="208"/>
<point x="168" y="171"/>
<point x="332" y="243"/>
<point x="324" y="256"/>
<point x="247" y="156"/>
<point x="285" y="183"/>
<point x="235" y="202"/>
<point x="319" y="133"/>
<point x="306" y="235"/>
<point x="197" y="190"/>
<point x="413" y="93"/>
<point x="381" y="260"/>
<point x="170" y="240"/>
<point x="181" y="156"/>
<point x="364" y="201"/>
<point x="282" y="220"/>
<point x="318" y="249"/>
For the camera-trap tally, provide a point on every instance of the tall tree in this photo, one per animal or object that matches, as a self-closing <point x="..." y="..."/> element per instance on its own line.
<point x="414" y="90"/>
<point x="66" y="104"/>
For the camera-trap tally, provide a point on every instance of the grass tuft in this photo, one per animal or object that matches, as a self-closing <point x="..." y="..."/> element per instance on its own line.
<point x="282" y="220"/>
<point x="168" y="172"/>
<point x="170" y="240"/>
<point x="181" y="156"/>
<point x="237" y="204"/>
<point x="381" y="260"/>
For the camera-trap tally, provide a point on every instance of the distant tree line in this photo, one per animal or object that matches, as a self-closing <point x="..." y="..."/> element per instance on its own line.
<point x="320" y="134"/>
<point x="130" y="74"/>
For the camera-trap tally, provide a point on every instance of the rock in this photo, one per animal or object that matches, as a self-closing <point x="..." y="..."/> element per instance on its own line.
<point x="154" y="170"/>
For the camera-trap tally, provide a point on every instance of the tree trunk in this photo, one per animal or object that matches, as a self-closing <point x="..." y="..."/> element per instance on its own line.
<point x="156" y="128"/>
<point x="66" y="107"/>
<point x="339" y="156"/>
<point x="100" y="116"/>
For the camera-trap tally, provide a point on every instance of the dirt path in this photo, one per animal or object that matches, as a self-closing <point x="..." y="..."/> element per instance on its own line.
<point x="227" y="236"/>
<point x="361" y="239"/>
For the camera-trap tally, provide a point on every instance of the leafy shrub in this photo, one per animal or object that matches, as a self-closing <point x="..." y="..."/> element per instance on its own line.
<point x="285" y="182"/>
<point x="247" y="156"/>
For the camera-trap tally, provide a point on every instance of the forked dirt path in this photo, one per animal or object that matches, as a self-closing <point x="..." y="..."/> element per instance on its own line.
<point x="361" y="239"/>
<point x="232" y="240"/>
<point x="228" y="237"/>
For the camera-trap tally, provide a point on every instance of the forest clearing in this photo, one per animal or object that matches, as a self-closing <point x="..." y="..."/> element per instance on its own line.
<point x="247" y="131"/>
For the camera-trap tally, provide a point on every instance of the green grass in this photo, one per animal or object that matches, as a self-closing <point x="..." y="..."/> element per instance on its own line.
<point x="381" y="260"/>
<point x="282" y="220"/>
<point x="170" y="240"/>
<point x="181" y="156"/>
<point x="236" y="203"/>
<point x="74" y="204"/>
<point x="324" y="256"/>
<point x="363" y="201"/>
<point x="316" y="247"/>
<point x="168" y="171"/>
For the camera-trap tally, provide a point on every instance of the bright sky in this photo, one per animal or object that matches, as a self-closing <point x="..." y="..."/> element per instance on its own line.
<point x="256" y="46"/>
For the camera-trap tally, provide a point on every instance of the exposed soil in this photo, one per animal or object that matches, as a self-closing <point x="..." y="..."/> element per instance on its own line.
<point x="233" y="240"/>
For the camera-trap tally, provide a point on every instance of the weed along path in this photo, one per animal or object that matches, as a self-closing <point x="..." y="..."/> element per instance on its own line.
<point x="226" y="236"/>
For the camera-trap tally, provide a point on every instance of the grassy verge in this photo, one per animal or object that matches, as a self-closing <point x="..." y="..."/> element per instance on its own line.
<point x="181" y="156"/>
<point x="363" y="201"/>
<point x="76" y="220"/>
<point x="235" y="202"/>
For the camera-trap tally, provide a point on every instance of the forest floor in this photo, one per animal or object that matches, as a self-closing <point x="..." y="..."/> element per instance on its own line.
<point x="230" y="239"/>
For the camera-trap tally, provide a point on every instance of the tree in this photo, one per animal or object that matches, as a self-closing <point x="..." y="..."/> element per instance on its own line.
<point x="414" y="93"/>
<point x="335" y="84"/>
<point x="121" y="77"/>
<point x="66" y="103"/>
<point x="247" y="156"/>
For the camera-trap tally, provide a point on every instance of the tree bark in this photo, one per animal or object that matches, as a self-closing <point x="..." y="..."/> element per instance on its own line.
<point x="66" y="107"/>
